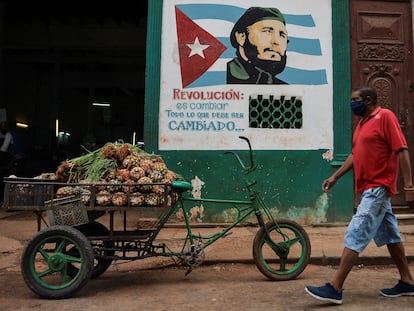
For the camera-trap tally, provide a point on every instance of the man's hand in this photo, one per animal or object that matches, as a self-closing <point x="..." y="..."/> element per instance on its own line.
<point x="329" y="183"/>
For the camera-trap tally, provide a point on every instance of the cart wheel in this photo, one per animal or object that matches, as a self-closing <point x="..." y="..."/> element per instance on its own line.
<point x="45" y="260"/>
<point x="284" y="253"/>
<point x="100" y="264"/>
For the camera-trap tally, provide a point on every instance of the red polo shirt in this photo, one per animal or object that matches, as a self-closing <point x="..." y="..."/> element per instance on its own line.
<point x="375" y="146"/>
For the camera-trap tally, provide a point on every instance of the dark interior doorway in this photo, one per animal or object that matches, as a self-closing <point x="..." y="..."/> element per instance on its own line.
<point x="74" y="72"/>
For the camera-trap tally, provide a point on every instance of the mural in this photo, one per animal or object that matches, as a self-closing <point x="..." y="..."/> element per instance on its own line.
<point x="260" y="39"/>
<point x="261" y="69"/>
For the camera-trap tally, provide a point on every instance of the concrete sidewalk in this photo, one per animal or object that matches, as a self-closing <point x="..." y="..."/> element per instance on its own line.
<point x="326" y="241"/>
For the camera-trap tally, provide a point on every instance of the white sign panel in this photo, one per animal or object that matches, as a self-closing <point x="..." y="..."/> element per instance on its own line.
<point x="261" y="69"/>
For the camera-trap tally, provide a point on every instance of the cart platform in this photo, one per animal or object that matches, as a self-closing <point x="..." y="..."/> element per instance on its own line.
<point x="78" y="203"/>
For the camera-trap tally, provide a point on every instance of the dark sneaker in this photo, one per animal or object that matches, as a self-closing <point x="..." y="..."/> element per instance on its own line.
<point x="325" y="293"/>
<point x="401" y="289"/>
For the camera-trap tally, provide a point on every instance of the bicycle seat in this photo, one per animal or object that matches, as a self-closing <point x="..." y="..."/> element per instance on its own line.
<point x="180" y="186"/>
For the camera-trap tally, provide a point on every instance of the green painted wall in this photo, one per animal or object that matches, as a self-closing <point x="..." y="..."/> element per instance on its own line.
<point x="290" y="181"/>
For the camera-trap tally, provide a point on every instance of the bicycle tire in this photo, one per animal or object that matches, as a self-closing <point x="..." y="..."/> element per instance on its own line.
<point x="44" y="262"/>
<point x="288" y="264"/>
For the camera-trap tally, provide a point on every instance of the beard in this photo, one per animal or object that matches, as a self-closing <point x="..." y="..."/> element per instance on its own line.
<point x="274" y="67"/>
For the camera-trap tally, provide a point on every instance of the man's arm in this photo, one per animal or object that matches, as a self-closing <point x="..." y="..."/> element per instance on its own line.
<point x="345" y="168"/>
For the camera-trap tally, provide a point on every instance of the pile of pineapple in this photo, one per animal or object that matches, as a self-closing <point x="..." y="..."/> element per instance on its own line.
<point x="118" y="174"/>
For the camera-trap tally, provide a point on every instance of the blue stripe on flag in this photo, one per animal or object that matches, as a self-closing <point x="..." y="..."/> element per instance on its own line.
<point x="210" y="78"/>
<point x="302" y="76"/>
<point x="232" y="13"/>
<point x="212" y="11"/>
<point x="304" y="46"/>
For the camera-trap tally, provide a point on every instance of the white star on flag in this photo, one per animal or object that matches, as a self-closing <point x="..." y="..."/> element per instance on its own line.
<point x="197" y="48"/>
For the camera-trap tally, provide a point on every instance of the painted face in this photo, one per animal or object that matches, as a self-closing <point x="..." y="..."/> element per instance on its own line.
<point x="270" y="39"/>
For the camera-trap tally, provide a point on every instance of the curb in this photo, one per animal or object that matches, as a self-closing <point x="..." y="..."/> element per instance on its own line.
<point x="320" y="261"/>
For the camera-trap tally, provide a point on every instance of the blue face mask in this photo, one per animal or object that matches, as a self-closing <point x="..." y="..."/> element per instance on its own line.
<point x="358" y="107"/>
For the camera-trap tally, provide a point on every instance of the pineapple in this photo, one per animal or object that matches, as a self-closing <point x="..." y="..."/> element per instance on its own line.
<point x="147" y="164"/>
<point x="109" y="152"/>
<point x="128" y="186"/>
<point x="130" y="162"/>
<point x="85" y="196"/>
<point x="158" y="189"/>
<point x="122" y="152"/>
<point x="110" y="175"/>
<point x="152" y="199"/>
<point x="156" y="176"/>
<point x="122" y="174"/>
<point x="101" y="185"/>
<point x="170" y="176"/>
<point x="65" y="191"/>
<point x="85" y="184"/>
<point x="136" y="173"/>
<point x="114" y="185"/>
<point x="48" y="176"/>
<point x="119" y="199"/>
<point x="63" y="171"/>
<point x="137" y="199"/>
<point x="144" y="184"/>
<point x="160" y="166"/>
<point x="103" y="198"/>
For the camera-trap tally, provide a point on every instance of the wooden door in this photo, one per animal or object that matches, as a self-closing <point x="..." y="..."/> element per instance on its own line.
<point x="381" y="56"/>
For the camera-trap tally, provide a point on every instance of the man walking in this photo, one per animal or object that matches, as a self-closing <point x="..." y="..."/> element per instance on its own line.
<point x="378" y="146"/>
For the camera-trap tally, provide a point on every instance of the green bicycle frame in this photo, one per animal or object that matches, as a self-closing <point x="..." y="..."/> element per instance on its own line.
<point x="244" y="209"/>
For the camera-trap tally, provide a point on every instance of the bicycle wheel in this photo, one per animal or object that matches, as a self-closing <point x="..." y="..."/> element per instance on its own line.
<point x="100" y="265"/>
<point x="45" y="260"/>
<point x="284" y="253"/>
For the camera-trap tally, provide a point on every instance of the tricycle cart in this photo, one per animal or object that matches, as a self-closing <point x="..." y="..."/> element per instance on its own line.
<point x="75" y="247"/>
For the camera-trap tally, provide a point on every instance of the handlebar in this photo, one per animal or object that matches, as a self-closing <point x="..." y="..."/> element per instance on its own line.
<point x="251" y="167"/>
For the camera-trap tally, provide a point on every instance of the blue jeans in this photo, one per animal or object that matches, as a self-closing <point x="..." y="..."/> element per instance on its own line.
<point x="374" y="219"/>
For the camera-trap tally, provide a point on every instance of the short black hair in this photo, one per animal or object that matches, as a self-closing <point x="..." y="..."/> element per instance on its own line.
<point x="366" y="91"/>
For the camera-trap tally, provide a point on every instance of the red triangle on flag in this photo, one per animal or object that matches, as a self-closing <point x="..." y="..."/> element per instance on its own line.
<point x="197" y="48"/>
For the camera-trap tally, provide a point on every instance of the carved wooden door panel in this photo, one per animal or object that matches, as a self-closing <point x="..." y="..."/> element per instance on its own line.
<point x="381" y="56"/>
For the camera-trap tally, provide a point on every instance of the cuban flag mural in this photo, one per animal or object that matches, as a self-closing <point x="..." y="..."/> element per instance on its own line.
<point x="261" y="69"/>
<point x="220" y="49"/>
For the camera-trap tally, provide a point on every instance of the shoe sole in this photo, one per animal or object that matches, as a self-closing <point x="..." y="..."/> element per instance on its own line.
<point x="397" y="295"/>
<point x="335" y="301"/>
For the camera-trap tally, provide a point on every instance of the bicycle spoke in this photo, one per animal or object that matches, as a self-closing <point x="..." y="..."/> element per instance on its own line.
<point x="70" y="259"/>
<point x="44" y="273"/>
<point x="283" y="262"/>
<point x="293" y="241"/>
<point x="64" y="275"/>
<point x="61" y="246"/>
<point x="44" y="254"/>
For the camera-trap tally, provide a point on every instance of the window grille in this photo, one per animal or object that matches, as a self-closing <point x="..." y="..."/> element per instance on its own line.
<point x="275" y="112"/>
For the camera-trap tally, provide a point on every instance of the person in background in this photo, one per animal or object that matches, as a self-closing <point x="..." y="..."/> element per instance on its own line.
<point x="378" y="148"/>
<point x="6" y="141"/>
